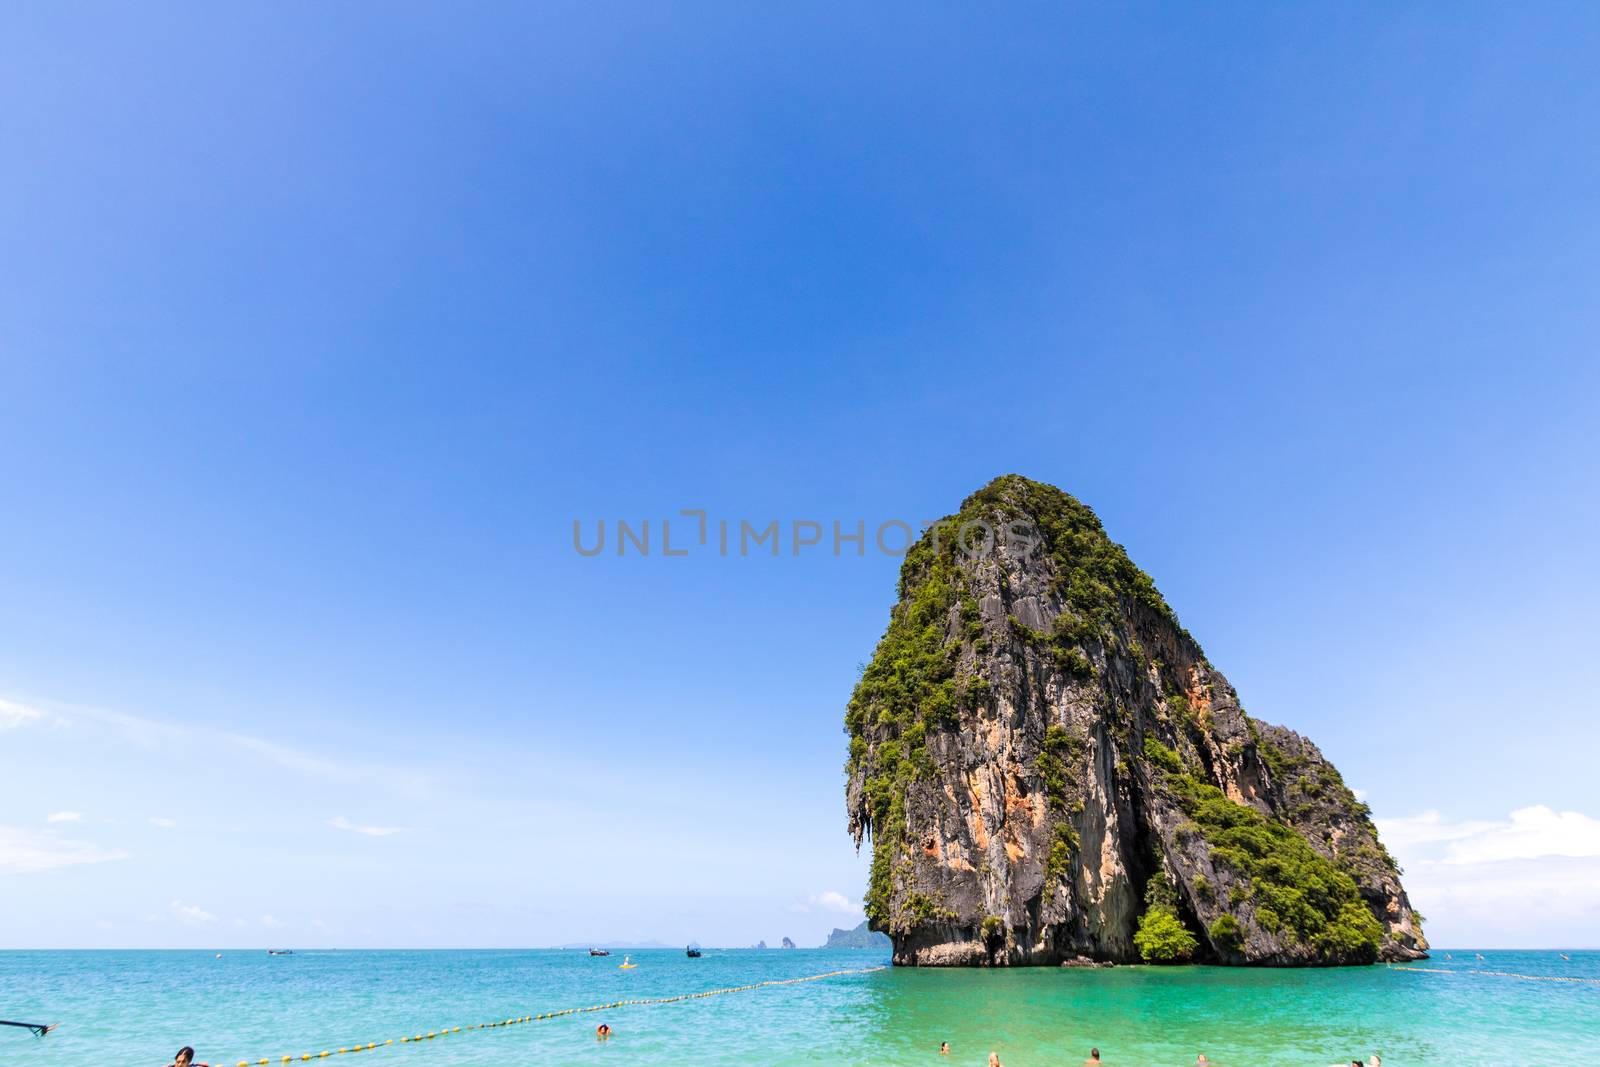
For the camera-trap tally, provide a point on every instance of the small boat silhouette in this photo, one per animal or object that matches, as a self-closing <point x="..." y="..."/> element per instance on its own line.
<point x="599" y="952"/>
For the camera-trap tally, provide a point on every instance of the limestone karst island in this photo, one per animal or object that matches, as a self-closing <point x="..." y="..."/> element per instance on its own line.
<point x="1050" y="770"/>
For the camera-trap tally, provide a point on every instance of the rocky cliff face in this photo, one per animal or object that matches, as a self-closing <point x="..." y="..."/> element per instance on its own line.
<point x="1049" y="768"/>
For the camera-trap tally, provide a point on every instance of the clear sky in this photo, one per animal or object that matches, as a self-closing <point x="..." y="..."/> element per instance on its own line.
<point x="320" y="325"/>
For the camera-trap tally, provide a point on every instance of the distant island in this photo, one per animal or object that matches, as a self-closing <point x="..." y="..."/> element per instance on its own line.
<point x="1051" y="770"/>
<point x="861" y="937"/>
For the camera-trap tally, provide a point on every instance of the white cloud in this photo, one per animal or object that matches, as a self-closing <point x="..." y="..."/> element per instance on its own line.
<point x="155" y="735"/>
<point x="164" y="823"/>
<point x="13" y="715"/>
<point x="339" y="822"/>
<point x="26" y="851"/>
<point x="1526" y="879"/>
<point x="1428" y="828"/>
<point x="64" y="816"/>
<point x="828" y="901"/>
<point x="192" y="913"/>
<point x="1527" y="833"/>
<point x="1531" y="833"/>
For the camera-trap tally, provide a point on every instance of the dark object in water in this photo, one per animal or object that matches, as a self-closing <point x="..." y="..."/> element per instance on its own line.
<point x="693" y="952"/>
<point x="599" y="952"/>
<point x="280" y="952"/>
<point x="39" y="1029"/>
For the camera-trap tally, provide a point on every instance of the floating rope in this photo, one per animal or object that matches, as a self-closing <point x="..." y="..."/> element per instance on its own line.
<point x="632" y="1002"/>
<point x="1503" y="974"/>
<point x="38" y="1029"/>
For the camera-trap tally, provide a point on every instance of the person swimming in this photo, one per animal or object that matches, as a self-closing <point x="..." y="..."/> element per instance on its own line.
<point x="1094" y="1058"/>
<point x="944" y="1048"/>
<point x="602" y="1032"/>
<point x="1201" y="1061"/>
<point x="185" y="1058"/>
<point x="994" y="1059"/>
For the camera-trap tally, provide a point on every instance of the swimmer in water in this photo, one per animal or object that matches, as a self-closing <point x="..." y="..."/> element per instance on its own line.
<point x="1094" y="1058"/>
<point x="185" y="1058"/>
<point x="602" y="1032"/>
<point x="944" y="1048"/>
<point x="994" y="1059"/>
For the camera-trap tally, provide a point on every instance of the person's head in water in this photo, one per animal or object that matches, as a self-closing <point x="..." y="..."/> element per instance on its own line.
<point x="1094" y="1055"/>
<point x="184" y="1057"/>
<point x="944" y="1048"/>
<point x="994" y="1059"/>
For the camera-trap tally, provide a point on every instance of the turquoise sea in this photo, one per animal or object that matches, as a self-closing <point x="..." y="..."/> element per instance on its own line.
<point x="132" y="1009"/>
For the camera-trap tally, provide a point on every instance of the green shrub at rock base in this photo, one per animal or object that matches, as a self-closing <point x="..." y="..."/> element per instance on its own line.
<point x="1162" y="937"/>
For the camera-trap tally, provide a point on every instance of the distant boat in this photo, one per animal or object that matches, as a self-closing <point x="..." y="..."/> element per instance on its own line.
<point x="693" y="952"/>
<point x="599" y="952"/>
<point x="280" y="952"/>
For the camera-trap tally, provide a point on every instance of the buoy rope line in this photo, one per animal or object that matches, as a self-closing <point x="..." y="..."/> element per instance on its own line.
<point x="631" y="1002"/>
<point x="1503" y="974"/>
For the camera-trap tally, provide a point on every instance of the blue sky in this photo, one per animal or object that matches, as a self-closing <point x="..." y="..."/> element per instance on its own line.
<point x="319" y="327"/>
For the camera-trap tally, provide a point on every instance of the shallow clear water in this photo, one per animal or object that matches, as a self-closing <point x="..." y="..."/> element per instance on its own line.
<point x="136" y="1008"/>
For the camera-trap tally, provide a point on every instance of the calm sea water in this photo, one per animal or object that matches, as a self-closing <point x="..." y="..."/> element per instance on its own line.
<point x="136" y="1008"/>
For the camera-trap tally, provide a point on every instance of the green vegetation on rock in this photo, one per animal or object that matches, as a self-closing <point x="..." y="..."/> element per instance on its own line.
<point x="1063" y="846"/>
<point x="908" y="689"/>
<point x="1093" y="572"/>
<point x="1056" y="758"/>
<point x="1226" y="934"/>
<point x="1295" y="892"/>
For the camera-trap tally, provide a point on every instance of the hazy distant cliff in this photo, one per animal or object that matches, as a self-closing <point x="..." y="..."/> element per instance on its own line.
<point x="859" y="937"/>
<point x="1049" y="767"/>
